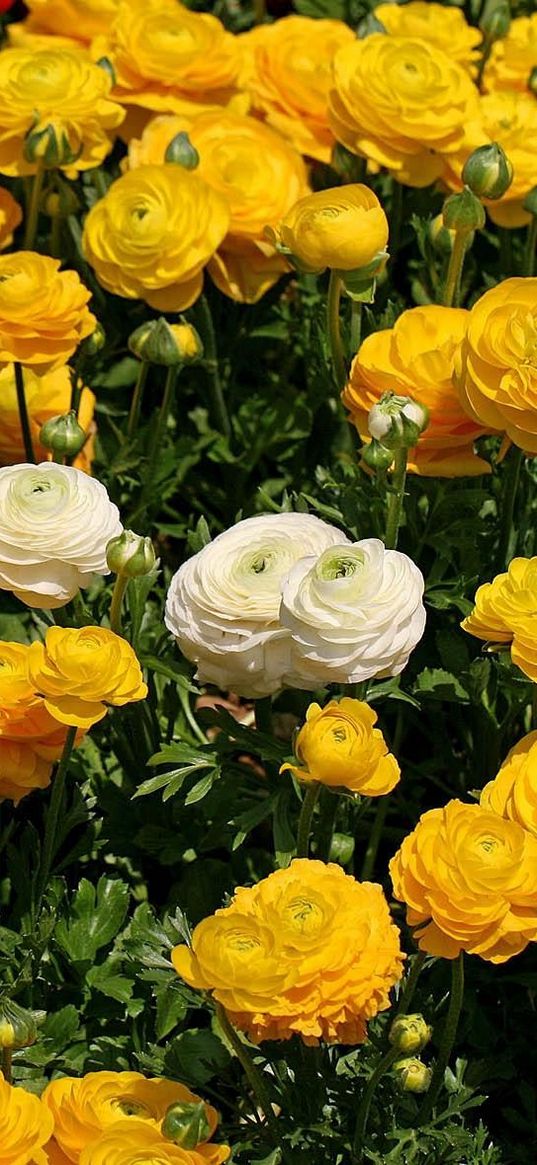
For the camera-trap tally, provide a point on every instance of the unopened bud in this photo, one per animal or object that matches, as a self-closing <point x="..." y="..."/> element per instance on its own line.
<point x="368" y="25"/>
<point x="186" y="1124"/>
<point x="496" y="20"/>
<point x="18" y="1026"/>
<point x="530" y="201"/>
<point x="488" y="171"/>
<point x="341" y="848"/>
<point x="397" y="421"/>
<point x="182" y="152"/>
<point x="413" y="1076"/>
<point x="60" y="203"/>
<point x="49" y="146"/>
<point x="63" y="435"/>
<point x="130" y="554"/>
<point x="94" y="343"/>
<point x="159" y="342"/>
<point x="442" y="240"/>
<point x="410" y="1033"/>
<point x="377" y="457"/>
<point x="463" y="212"/>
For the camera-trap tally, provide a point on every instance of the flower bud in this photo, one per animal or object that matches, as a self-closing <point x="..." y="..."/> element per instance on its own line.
<point x="341" y="848"/>
<point x="463" y="212"/>
<point x="159" y="342"/>
<point x="442" y="240"/>
<point x="94" y="343"/>
<point x="50" y="147"/>
<point x="63" y="435"/>
<point x="18" y="1026"/>
<point x="377" y="457"/>
<point x="488" y="171"/>
<point x="368" y="25"/>
<point x="186" y="1124"/>
<point x="410" y="1033"/>
<point x="496" y="20"/>
<point x="530" y="201"/>
<point x="130" y="554"/>
<point x="413" y="1076"/>
<point x="60" y="203"/>
<point x="397" y="421"/>
<point x="182" y="152"/>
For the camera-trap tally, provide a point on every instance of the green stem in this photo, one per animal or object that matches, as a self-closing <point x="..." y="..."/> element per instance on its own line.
<point x="396" y="498"/>
<point x="363" y="1112"/>
<point x="304" y="821"/>
<point x="136" y="401"/>
<point x="55" y="240"/>
<point x="328" y="813"/>
<point x="448" y="1039"/>
<point x="356" y="325"/>
<point x="507" y="542"/>
<point x="485" y="53"/>
<point x="32" y="214"/>
<point x="374" y="839"/>
<point x="410" y="986"/>
<point x="210" y="362"/>
<point x="23" y="414"/>
<point x="7" y="1057"/>
<point x="531" y="245"/>
<point x="120" y="586"/>
<point x="263" y="715"/>
<point x="454" y="271"/>
<point x="50" y="841"/>
<point x="251" y="1071"/>
<point x="333" y="329"/>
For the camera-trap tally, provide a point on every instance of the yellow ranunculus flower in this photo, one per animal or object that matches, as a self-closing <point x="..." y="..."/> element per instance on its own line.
<point x="80" y="671"/>
<point x="445" y="28"/>
<point x="306" y="951"/>
<point x="343" y="228"/>
<point x="82" y="19"/>
<point x="496" y="371"/>
<point x="46" y="396"/>
<point x="513" y="57"/>
<point x="131" y="1142"/>
<point x="23" y="716"/>
<point x="48" y="334"/>
<point x="402" y="103"/>
<point x="513" y="792"/>
<point x="416" y="358"/>
<point x="258" y="174"/>
<point x="167" y="58"/>
<point x="54" y="92"/>
<point x="339" y="747"/>
<point x="506" y="612"/>
<point x="10" y="217"/>
<point x="152" y="234"/>
<point x="25" y="1126"/>
<point x="21" y="770"/>
<point x="84" y="1109"/>
<point x="469" y="880"/>
<point x="287" y="72"/>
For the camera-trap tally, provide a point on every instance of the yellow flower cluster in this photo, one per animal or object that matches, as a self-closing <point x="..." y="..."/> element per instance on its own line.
<point x="506" y="612"/>
<point x="339" y="747"/>
<point x="306" y="951"/>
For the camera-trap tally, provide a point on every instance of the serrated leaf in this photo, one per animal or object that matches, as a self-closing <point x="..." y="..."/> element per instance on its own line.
<point x="441" y="685"/>
<point x="96" y="915"/>
<point x="108" y="979"/>
<point x="196" y="1056"/>
<point x="284" y="838"/>
<point x="201" y="788"/>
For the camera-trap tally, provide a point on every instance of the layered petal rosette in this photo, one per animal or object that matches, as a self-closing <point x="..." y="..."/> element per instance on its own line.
<point x="10" y="217"/>
<point x="55" y="522"/>
<point x="354" y="613"/>
<point x="513" y="792"/>
<point x="513" y="57"/>
<point x="445" y="28"/>
<point x="506" y="612"/>
<point x="43" y="311"/>
<point x="339" y="747"/>
<point x="81" y="671"/>
<point x="82" y="19"/>
<point x="223" y="603"/>
<point x="133" y="1142"/>
<point x="21" y="770"/>
<point x="25" y="1126"/>
<point x="344" y="228"/>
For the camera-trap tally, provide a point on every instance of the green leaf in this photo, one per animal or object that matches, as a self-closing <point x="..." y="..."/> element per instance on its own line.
<point x="441" y="685"/>
<point x="202" y="787"/>
<point x="108" y="979"/>
<point x="284" y="837"/>
<point x="96" y="916"/>
<point x="171" y="1008"/>
<point x="196" y="1056"/>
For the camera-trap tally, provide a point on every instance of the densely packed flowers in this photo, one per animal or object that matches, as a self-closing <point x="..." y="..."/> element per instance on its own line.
<point x="339" y="747"/>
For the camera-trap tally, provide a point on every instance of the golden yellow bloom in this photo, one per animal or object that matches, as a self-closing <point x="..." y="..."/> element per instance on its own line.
<point x="513" y="792"/>
<point x="85" y="1108"/>
<point x="62" y="100"/>
<point x="131" y="1142"/>
<point x="82" y="19"/>
<point x="514" y="56"/>
<point x="307" y="950"/>
<point x="339" y="747"/>
<point x="402" y="103"/>
<point x="496" y="369"/>
<point x="46" y="396"/>
<point x="23" y="716"/>
<point x="21" y="770"/>
<point x="506" y="612"/>
<point x="10" y="217"/>
<point x="25" y="1126"/>
<point x="416" y="358"/>
<point x="445" y="28"/>
<point x="344" y="228"/>
<point x="469" y="880"/>
<point x="59" y="318"/>
<point x="152" y="234"/>
<point x="169" y="59"/>
<point x="80" y="671"/>
<point x="287" y="72"/>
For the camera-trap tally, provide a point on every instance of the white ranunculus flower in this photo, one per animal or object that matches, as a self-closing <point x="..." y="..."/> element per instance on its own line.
<point x="354" y="612"/>
<point x="55" y="522"/>
<point x="223" y="603"/>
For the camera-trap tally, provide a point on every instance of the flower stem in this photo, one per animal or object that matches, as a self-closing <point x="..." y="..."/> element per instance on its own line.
<point x="7" y="1057"/>
<point x="120" y="586"/>
<point x="374" y="839"/>
<point x="333" y="329"/>
<point x="356" y="325"/>
<point x="304" y="821"/>
<point x="410" y="986"/>
<point x="396" y="499"/>
<point x="448" y="1039"/>
<point x="23" y="414"/>
<point x="363" y="1112"/>
<point x="507" y="542"/>
<point x="50" y="841"/>
<point x="32" y="213"/>
<point x="531" y="245"/>
<point x="136" y="401"/>
<point x="263" y="715"/>
<point x="210" y="362"/>
<point x="251" y="1071"/>
<point x="454" y="271"/>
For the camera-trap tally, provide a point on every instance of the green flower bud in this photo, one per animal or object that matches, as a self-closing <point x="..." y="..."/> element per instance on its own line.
<point x="463" y="212"/>
<point x="397" y="421"/>
<point x="488" y="171"/>
<point x="94" y="343"/>
<point x="410" y="1033"/>
<point x="186" y="1124"/>
<point x="530" y="201"/>
<point x="368" y="25"/>
<point x="130" y="554"/>
<point x="159" y="342"/>
<point x="413" y="1076"/>
<point x="360" y="284"/>
<point x="442" y="240"/>
<point x="60" y="203"/>
<point x="106" y="64"/>
<point x="18" y="1026"/>
<point x="377" y="457"/>
<point x="341" y="848"/>
<point x="496" y="20"/>
<point x="63" y="435"/>
<point x="50" y="147"/>
<point x="182" y="152"/>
